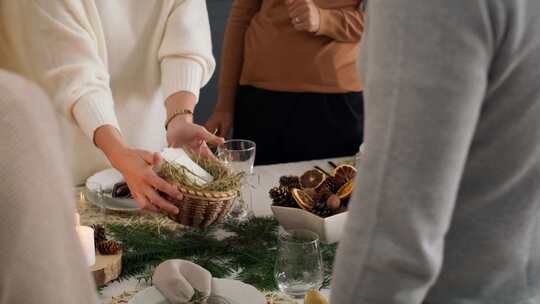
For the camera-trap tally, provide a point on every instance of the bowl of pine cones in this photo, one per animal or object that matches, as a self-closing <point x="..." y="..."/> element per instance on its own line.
<point x="315" y="201"/>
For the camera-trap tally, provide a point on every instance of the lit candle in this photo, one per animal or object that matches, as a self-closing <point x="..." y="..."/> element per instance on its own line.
<point x="86" y="238"/>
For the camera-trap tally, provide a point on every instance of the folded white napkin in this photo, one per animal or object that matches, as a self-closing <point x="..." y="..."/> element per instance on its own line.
<point x="180" y="280"/>
<point x="180" y="157"/>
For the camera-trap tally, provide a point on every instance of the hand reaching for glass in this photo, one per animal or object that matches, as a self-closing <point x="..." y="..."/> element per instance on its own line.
<point x="181" y="132"/>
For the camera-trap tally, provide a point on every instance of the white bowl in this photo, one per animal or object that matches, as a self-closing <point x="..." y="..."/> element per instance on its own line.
<point x="328" y="229"/>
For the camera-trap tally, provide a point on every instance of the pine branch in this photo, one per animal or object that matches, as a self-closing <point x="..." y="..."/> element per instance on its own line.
<point x="249" y="253"/>
<point x="328" y="253"/>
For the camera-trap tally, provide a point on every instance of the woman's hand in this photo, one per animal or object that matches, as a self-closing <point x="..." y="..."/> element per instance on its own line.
<point x="137" y="168"/>
<point x="221" y="121"/>
<point x="305" y="15"/>
<point x="183" y="132"/>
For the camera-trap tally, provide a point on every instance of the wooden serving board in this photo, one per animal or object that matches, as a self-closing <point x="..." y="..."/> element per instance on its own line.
<point x="106" y="268"/>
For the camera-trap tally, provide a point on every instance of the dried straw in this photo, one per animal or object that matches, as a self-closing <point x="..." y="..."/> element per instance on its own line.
<point x="224" y="179"/>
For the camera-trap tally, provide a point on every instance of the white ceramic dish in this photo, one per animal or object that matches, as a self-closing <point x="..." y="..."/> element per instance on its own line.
<point x="328" y="229"/>
<point x="99" y="191"/>
<point x="224" y="291"/>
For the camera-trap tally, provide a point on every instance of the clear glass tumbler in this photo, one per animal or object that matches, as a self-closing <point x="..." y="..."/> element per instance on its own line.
<point x="299" y="265"/>
<point x="239" y="155"/>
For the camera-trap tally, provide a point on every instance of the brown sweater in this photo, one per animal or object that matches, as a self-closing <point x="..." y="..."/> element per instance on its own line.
<point x="263" y="49"/>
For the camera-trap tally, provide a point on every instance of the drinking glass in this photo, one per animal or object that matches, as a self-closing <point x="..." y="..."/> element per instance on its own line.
<point x="239" y="155"/>
<point x="299" y="265"/>
<point x="93" y="192"/>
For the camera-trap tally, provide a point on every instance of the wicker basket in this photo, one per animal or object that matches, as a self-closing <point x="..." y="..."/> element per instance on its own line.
<point x="202" y="208"/>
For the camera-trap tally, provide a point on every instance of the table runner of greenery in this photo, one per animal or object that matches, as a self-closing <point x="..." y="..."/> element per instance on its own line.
<point x="245" y="250"/>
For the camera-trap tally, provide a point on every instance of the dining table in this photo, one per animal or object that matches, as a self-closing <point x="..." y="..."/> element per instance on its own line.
<point x="261" y="181"/>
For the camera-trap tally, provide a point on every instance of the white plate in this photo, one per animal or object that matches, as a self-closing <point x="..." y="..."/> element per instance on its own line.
<point x="99" y="191"/>
<point x="224" y="291"/>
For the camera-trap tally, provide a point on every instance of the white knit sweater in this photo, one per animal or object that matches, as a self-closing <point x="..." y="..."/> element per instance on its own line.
<point x="108" y="63"/>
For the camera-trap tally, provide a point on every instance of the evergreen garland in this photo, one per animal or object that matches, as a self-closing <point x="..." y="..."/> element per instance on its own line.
<point x="247" y="252"/>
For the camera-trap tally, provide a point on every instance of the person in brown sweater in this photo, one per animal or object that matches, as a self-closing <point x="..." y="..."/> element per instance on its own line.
<point x="288" y="78"/>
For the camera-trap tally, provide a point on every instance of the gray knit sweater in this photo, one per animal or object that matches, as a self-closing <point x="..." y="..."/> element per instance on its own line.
<point x="41" y="260"/>
<point x="447" y="203"/>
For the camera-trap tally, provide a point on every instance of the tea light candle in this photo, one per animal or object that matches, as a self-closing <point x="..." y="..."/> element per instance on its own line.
<point x="86" y="238"/>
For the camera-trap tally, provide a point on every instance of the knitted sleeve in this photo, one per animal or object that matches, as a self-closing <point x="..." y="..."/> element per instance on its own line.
<point x="185" y="54"/>
<point x="62" y="46"/>
<point x="232" y="56"/>
<point x="342" y="24"/>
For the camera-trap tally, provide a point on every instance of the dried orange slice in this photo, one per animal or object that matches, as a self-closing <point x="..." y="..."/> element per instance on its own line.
<point x="312" y="179"/>
<point x="311" y="192"/>
<point x="346" y="190"/>
<point x="344" y="173"/>
<point x="303" y="199"/>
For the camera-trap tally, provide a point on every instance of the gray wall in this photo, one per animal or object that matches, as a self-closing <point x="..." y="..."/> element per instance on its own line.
<point x="218" y="11"/>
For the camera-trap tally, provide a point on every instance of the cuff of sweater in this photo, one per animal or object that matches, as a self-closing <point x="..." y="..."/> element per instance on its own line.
<point x="93" y="111"/>
<point x="325" y="22"/>
<point x="181" y="74"/>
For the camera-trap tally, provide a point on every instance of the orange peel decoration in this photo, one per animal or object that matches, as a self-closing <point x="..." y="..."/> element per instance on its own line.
<point x="344" y="172"/>
<point x="346" y="190"/>
<point x="312" y="179"/>
<point x="303" y="199"/>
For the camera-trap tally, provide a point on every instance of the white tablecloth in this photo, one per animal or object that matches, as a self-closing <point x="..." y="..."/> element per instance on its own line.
<point x="265" y="177"/>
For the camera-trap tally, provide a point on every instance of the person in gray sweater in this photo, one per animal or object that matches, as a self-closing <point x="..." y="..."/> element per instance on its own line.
<point x="41" y="259"/>
<point x="446" y="209"/>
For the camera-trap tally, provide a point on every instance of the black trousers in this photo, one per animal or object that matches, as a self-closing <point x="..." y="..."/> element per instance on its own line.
<point x="290" y="127"/>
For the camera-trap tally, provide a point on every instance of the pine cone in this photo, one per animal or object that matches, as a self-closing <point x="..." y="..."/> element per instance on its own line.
<point x="281" y="196"/>
<point x="322" y="196"/>
<point x="100" y="234"/>
<point x="109" y="247"/>
<point x="290" y="182"/>
<point x="331" y="184"/>
<point x="278" y="194"/>
<point x="321" y="209"/>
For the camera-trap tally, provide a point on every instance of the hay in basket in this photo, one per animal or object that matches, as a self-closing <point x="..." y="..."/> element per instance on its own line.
<point x="203" y="205"/>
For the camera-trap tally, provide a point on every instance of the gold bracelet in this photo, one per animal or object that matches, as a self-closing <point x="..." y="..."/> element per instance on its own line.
<point x="177" y="113"/>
